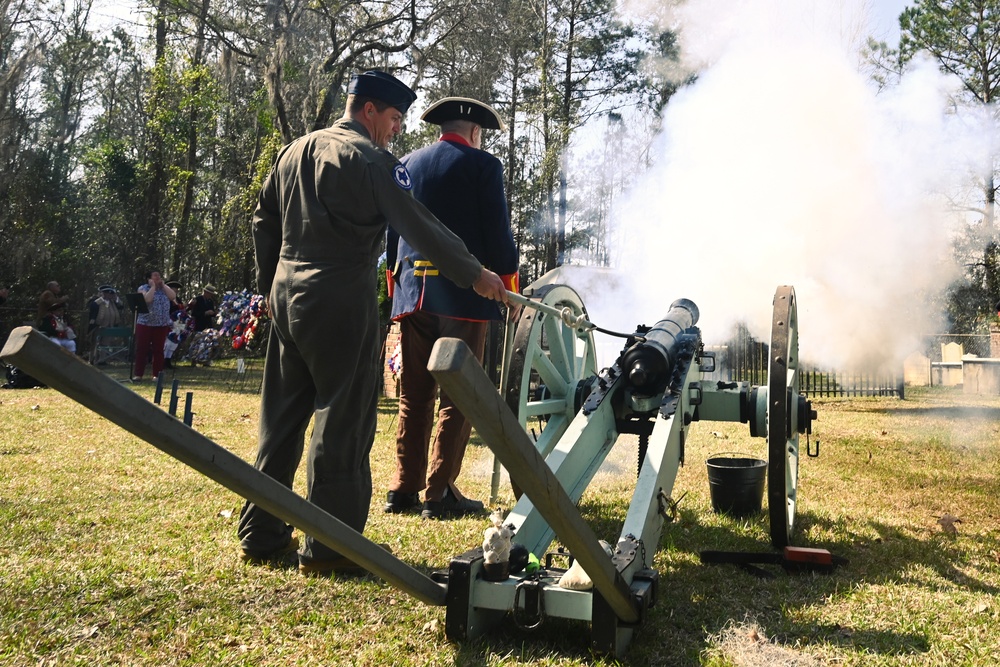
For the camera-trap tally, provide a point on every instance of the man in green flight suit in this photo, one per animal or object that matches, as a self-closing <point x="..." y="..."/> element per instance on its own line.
<point x="318" y="227"/>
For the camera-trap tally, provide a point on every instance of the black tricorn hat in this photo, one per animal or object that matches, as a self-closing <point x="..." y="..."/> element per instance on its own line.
<point x="382" y="86"/>
<point x="463" y="108"/>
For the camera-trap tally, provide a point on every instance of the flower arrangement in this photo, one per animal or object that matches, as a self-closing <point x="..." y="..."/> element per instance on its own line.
<point x="395" y="361"/>
<point x="240" y="317"/>
<point x="182" y="326"/>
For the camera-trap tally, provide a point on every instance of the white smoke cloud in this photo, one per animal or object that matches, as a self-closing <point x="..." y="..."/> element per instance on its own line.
<point x="782" y="166"/>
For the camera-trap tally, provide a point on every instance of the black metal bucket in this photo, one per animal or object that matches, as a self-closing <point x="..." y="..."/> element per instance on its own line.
<point x="736" y="484"/>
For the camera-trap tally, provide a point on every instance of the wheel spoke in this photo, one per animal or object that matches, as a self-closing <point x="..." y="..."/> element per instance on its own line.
<point x="558" y="353"/>
<point x="572" y="352"/>
<point x="547" y="352"/>
<point x="551" y="433"/>
<point x="553" y="378"/>
<point x="549" y="406"/>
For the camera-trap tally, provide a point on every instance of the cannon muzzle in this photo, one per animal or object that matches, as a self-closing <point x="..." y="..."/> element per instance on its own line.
<point x="649" y="363"/>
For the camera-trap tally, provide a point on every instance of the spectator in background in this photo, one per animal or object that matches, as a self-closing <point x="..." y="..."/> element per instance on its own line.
<point x="50" y="297"/>
<point x="204" y="342"/>
<point x="104" y="310"/>
<point x="178" y="326"/>
<point x="152" y="327"/>
<point x="202" y="309"/>
<point x="176" y="303"/>
<point x="57" y="327"/>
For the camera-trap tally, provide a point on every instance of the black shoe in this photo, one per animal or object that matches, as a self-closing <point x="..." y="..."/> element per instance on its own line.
<point x="261" y="557"/>
<point x="397" y="502"/>
<point x="450" y="506"/>
<point x="167" y="363"/>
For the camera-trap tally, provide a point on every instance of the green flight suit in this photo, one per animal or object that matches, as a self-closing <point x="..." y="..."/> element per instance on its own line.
<point x="318" y="228"/>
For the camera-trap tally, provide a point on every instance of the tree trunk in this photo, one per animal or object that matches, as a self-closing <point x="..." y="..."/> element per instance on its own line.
<point x="564" y="133"/>
<point x="274" y="72"/>
<point x="150" y="222"/>
<point x="183" y="240"/>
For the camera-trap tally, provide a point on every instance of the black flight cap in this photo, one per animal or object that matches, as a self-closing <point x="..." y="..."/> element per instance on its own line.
<point x="382" y="86"/>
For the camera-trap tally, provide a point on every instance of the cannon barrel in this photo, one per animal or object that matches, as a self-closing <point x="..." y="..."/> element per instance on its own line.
<point x="647" y="364"/>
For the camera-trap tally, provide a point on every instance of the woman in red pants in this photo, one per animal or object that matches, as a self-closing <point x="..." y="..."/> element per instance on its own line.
<point x="151" y="328"/>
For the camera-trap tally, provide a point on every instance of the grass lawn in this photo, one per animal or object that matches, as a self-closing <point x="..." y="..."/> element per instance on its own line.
<point x="112" y="553"/>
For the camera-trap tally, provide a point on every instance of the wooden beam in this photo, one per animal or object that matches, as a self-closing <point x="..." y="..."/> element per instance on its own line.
<point x="461" y="376"/>
<point x="48" y="362"/>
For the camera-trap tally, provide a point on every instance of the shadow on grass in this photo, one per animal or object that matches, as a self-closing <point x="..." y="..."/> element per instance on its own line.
<point x="887" y="558"/>
<point x="224" y="375"/>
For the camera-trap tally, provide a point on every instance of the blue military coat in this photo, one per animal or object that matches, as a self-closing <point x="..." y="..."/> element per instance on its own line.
<point x="463" y="187"/>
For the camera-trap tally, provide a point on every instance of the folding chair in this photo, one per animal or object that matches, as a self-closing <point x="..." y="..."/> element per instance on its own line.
<point x="111" y="344"/>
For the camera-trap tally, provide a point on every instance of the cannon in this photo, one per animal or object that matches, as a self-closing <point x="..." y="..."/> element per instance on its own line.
<point x="655" y="389"/>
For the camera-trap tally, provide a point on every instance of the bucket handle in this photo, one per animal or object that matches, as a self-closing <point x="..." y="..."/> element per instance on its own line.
<point x="732" y="455"/>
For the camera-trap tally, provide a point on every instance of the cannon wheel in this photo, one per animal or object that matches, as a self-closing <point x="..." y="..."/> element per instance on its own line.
<point x="548" y="352"/>
<point x="782" y="429"/>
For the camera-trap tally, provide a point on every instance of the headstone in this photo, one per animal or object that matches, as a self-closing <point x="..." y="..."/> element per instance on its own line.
<point x="948" y="372"/>
<point x="917" y="370"/>
<point x="951" y="352"/>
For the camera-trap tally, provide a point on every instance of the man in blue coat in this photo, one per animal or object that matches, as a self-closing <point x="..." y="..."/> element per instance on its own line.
<point x="463" y="187"/>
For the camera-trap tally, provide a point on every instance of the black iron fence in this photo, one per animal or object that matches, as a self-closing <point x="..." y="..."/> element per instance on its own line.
<point x="744" y="359"/>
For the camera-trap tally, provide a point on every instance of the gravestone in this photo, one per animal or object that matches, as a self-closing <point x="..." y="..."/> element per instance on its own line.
<point x="948" y="371"/>
<point x="917" y="370"/>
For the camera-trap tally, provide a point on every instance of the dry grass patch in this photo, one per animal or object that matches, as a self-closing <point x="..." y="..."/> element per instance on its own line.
<point x="746" y="645"/>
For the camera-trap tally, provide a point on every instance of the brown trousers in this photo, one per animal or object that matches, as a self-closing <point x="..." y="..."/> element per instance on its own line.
<point x="417" y="392"/>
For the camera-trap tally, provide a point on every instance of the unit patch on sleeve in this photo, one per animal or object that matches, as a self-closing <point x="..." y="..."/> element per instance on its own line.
<point x="402" y="177"/>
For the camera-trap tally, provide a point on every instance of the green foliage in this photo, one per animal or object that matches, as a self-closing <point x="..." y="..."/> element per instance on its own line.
<point x="113" y="169"/>
<point x="235" y="256"/>
<point x="124" y="158"/>
<point x="968" y="307"/>
<point x="961" y="35"/>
